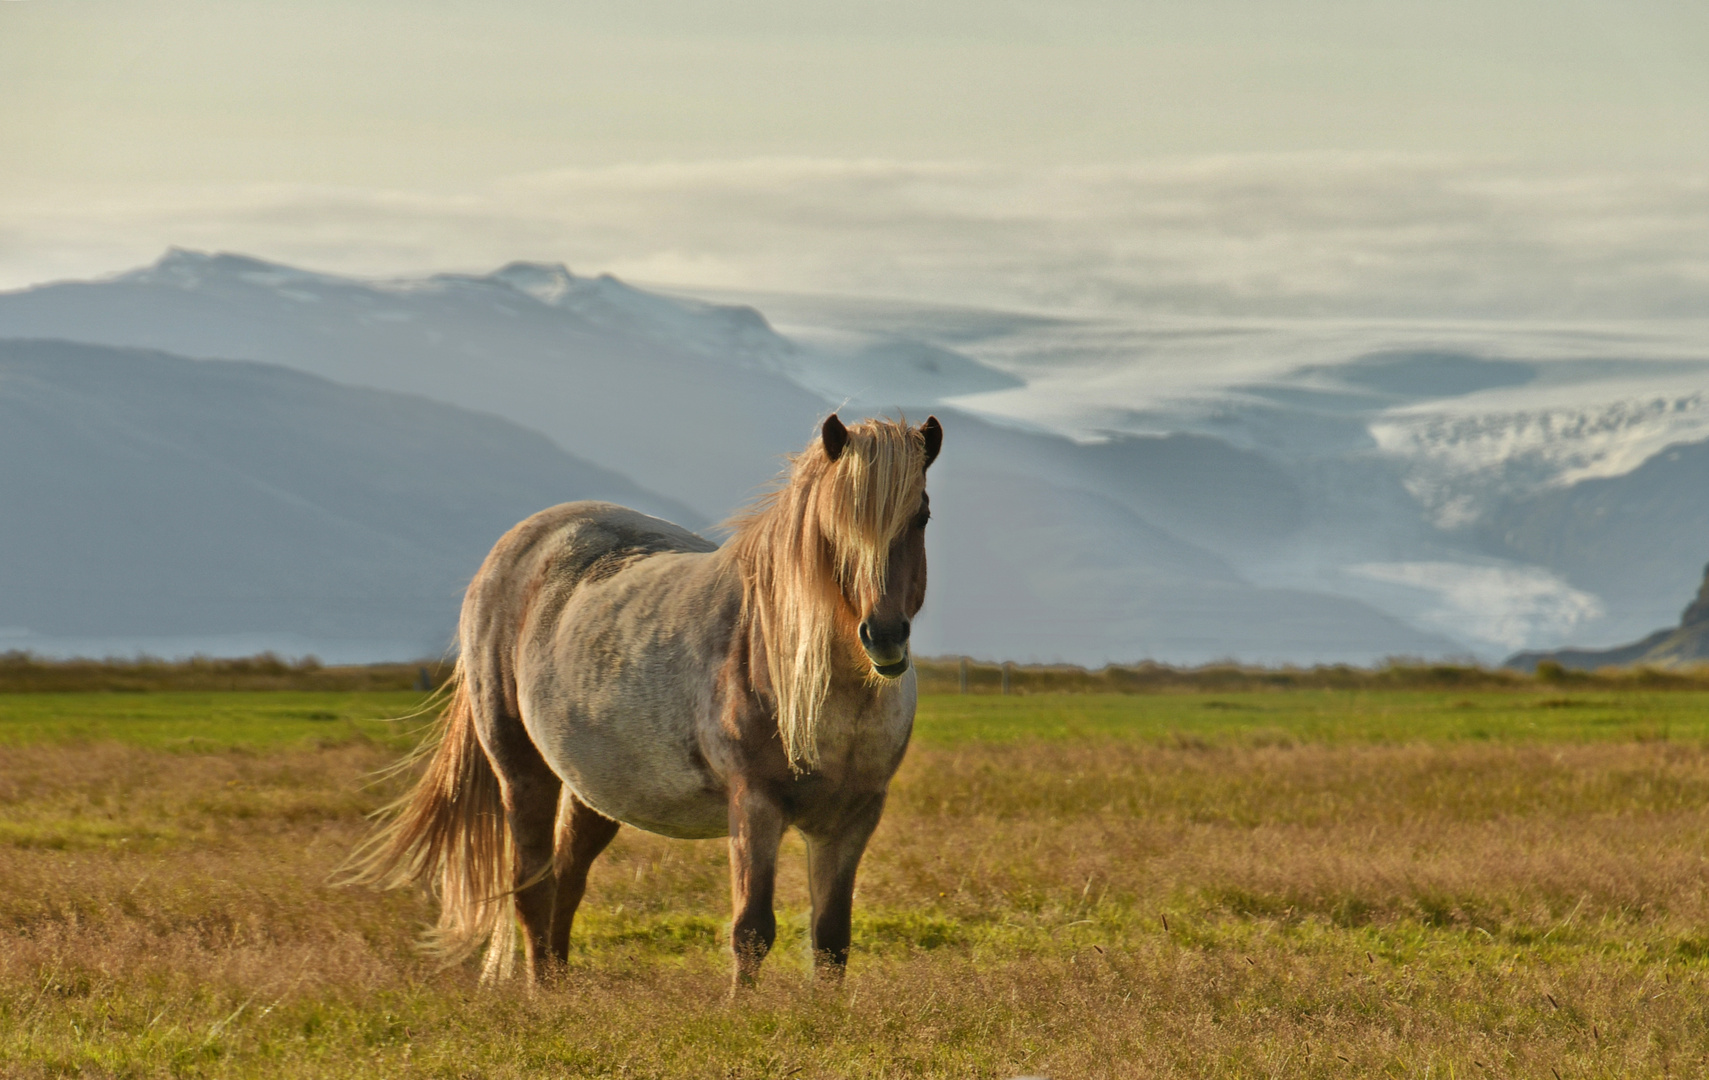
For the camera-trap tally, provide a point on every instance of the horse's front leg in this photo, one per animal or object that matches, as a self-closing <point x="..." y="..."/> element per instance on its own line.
<point x="756" y="829"/>
<point x="832" y="859"/>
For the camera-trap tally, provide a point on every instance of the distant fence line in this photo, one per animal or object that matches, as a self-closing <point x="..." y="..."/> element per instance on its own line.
<point x="950" y="675"/>
<point x="24" y="672"/>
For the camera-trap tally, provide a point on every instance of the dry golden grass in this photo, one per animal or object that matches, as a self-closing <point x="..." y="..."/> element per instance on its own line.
<point x="1094" y="908"/>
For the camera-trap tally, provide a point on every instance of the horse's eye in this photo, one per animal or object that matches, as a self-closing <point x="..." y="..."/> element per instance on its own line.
<point x="920" y="522"/>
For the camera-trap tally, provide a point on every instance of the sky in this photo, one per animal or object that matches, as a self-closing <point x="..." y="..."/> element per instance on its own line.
<point x="1373" y="157"/>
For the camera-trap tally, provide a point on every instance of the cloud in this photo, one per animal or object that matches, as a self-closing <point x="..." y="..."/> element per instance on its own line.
<point x="1281" y="235"/>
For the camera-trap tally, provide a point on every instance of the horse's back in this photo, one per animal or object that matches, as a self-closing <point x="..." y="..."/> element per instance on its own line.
<point x="576" y="536"/>
<point x="548" y="554"/>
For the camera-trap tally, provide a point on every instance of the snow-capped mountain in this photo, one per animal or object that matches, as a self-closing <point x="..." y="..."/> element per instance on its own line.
<point x="1184" y="490"/>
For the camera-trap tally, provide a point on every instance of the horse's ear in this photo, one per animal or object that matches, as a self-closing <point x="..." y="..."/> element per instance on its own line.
<point x="835" y="436"/>
<point x="934" y="433"/>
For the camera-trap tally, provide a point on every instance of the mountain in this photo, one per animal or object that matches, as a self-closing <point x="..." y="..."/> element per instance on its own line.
<point x="611" y="374"/>
<point x="1022" y="567"/>
<point x="1680" y="646"/>
<point x="1507" y="485"/>
<point x="1188" y="540"/>
<point x="1626" y="538"/>
<point x="156" y="502"/>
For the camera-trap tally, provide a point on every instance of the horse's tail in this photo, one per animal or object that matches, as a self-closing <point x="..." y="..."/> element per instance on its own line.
<point x="449" y="834"/>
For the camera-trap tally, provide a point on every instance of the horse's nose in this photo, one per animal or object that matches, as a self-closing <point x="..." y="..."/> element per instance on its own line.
<point x="869" y="639"/>
<point x="886" y="645"/>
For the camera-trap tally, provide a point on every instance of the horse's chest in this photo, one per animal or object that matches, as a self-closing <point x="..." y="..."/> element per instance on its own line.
<point x="860" y="747"/>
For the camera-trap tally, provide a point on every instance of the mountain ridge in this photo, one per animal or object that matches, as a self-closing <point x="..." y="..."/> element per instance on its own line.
<point x="152" y="496"/>
<point x="1276" y="495"/>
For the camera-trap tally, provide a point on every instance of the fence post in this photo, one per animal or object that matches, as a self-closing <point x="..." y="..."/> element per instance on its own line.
<point x="1006" y="666"/>
<point x="964" y="674"/>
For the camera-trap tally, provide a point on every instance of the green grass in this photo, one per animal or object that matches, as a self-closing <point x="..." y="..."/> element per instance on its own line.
<point x="213" y="720"/>
<point x="1301" y="883"/>
<point x="1327" y="717"/>
<point x="188" y="720"/>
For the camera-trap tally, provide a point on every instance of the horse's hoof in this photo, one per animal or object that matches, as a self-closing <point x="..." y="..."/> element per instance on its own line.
<point x="743" y="984"/>
<point x="829" y="978"/>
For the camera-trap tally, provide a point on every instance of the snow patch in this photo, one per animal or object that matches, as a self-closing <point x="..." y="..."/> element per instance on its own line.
<point x="1509" y="606"/>
<point x="1458" y="464"/>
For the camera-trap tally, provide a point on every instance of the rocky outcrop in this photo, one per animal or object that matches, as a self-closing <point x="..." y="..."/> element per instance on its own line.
<point x="1698" y="613"/>
<point x="1680" y="646"/>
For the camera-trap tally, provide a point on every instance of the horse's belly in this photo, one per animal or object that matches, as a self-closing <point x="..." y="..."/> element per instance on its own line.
<point x="635" y="766"/>
<point x="615" y="684"/>
<point x="683" y="809"/>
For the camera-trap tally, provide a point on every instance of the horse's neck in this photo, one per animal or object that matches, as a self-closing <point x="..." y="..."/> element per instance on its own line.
<point x="849" y="682"/>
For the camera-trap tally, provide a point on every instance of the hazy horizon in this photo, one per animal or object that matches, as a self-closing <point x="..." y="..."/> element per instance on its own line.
<point x="1224" y="158"/>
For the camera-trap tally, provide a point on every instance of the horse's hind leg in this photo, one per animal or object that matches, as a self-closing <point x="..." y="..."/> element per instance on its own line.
<point x="583" y="833"/>
<point x="531" y="807"/>
<point x="529" y="790"/>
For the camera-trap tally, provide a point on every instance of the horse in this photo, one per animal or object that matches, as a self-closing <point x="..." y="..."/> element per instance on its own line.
<point x="618" y="669"/>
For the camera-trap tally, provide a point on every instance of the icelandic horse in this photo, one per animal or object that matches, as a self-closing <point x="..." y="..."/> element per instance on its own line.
<point x="617" y="669"/>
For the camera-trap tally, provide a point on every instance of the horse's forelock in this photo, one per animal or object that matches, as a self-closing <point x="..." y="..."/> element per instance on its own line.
<point x="866" y="498"/>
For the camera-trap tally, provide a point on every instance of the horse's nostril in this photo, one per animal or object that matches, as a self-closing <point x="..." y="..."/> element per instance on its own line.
<point x="865" y="632"/>
<point x="906" y="628"/>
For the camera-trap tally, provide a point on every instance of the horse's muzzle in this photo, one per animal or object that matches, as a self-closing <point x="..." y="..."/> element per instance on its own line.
<point x="888" y="652"/>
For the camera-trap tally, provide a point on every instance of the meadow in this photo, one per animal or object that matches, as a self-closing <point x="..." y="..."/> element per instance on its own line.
<point x="1306" y="882"/>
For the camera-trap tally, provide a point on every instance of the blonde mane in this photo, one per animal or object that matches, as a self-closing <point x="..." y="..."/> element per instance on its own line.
<point x="822" y="535"/>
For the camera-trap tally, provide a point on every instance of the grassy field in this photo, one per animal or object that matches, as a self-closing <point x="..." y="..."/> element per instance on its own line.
<point x="1278" y="883"/>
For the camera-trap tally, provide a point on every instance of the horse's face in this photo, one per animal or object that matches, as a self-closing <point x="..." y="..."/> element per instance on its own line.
<point x="884" y="628"/>
<point x="885" y="620"/>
